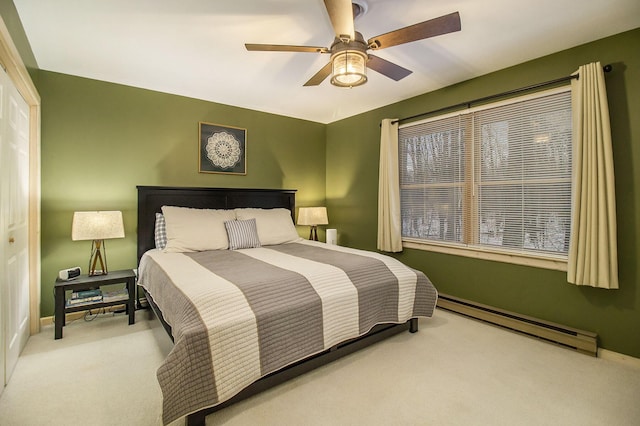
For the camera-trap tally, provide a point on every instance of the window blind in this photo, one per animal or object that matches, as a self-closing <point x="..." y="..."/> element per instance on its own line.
<point x="497" y="176"/>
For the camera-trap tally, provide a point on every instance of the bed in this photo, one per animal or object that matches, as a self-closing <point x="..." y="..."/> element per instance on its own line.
<point x="248" y="303"/>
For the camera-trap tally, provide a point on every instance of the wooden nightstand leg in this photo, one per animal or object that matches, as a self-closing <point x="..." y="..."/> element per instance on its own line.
<point x="59" y="312"/>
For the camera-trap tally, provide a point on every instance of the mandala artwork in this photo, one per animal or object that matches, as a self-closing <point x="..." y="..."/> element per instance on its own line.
<point x="223" y="150"/>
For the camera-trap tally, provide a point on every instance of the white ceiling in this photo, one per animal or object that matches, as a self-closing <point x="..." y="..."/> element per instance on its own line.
<point x="195" y="48"/>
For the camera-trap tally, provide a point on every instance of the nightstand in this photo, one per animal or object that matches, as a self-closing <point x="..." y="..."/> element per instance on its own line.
<point x="127" y="276"/>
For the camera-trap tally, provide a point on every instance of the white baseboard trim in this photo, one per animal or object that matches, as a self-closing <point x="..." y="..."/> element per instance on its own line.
<point x="618" y="357"/>
<point x="44" y="321"/>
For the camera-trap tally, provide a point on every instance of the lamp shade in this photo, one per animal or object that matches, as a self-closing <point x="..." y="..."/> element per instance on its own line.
<point x="312" y="216"/>
<point x="98" y="225"/>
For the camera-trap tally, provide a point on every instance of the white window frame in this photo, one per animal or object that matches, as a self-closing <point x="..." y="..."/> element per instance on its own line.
<point x="539" y="260"/>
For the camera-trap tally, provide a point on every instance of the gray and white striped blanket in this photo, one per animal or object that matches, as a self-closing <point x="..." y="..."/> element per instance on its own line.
<point x="238" y="315"/>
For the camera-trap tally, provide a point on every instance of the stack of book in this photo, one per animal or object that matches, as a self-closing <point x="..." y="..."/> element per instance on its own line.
<point x="84" y="296"/>
<point x="112" y="296"/>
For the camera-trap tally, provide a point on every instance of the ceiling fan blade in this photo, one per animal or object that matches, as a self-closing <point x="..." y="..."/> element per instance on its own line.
<point x="341" y="15"/>
<point x="434" y="27"/>
<point x="320" y="75"/>
<point x="284" y="48"/>
<point x="384" y="67"/>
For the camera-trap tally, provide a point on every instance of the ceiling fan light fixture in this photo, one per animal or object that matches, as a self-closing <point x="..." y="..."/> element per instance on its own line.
<point x="349" y="68"/>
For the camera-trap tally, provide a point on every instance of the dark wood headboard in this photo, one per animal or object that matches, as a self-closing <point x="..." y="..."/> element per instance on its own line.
<point x="152" y="198"/>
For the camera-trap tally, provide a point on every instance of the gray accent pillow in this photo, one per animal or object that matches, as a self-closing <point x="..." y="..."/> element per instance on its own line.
<point x="242" y="234"/>
<point x="160" y="234"/>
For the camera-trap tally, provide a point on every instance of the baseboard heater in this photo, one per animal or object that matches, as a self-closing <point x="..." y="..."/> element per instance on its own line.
<point x="580" y="340"/>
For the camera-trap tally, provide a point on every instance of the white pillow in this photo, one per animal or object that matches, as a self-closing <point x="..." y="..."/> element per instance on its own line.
<point x="196" y="229"/>
<point x="275" y="226"/>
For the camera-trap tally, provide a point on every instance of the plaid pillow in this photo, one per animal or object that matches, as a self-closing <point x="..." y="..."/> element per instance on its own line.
<point x="242" y="234"/>
<point x="160" y="233"/>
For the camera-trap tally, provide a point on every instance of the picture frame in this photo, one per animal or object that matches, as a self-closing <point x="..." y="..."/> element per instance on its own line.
<point x="222" y="149"/>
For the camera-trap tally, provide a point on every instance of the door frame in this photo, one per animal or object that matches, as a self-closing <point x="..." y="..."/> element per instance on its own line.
<point x="11" y="60"/>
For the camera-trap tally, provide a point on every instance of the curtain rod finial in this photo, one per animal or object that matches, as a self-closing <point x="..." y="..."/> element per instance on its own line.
<point x="607" y="68"/>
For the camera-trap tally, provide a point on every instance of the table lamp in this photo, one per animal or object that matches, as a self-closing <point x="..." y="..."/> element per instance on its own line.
<point x="313" y="216"/>
<point x="97" y="226"/>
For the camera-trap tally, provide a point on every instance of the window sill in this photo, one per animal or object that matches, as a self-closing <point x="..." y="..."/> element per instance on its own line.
<point x="558" y="263"/>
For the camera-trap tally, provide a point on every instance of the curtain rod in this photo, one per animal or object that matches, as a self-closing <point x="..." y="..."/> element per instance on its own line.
<point x="606" y="68"/>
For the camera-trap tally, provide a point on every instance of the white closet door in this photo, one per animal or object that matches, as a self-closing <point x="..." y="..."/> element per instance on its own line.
<point x="14" y="223"/>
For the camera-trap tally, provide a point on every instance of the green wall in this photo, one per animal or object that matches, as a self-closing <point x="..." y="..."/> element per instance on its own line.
<point x="352" y="178"/>
<point x="100" y="140"/>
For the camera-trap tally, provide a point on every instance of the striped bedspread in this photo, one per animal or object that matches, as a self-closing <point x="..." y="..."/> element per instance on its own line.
<point x="238" y="315"/>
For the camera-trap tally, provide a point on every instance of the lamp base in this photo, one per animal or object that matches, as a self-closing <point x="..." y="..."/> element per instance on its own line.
<point x="98" y="253"/>
<point x="313" y="233"/>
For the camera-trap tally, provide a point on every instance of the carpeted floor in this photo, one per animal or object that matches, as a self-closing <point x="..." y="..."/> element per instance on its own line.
<point x="454" y="371"/>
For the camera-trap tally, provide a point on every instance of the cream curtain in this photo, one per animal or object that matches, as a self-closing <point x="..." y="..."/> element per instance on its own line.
<point x="389" y="217"/>
<point x="593" y="254"/>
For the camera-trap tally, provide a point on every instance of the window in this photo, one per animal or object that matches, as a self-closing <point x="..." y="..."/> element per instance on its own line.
<point x="496" y="178"/>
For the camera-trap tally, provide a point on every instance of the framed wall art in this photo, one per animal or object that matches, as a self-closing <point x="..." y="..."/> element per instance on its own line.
<point x="223" y="149"/>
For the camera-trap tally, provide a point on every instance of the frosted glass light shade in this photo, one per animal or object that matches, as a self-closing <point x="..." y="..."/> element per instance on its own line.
<point x="349" y="68"/>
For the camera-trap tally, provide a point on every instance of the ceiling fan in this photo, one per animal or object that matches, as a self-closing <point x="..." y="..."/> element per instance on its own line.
<point x="349" y="57"/>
